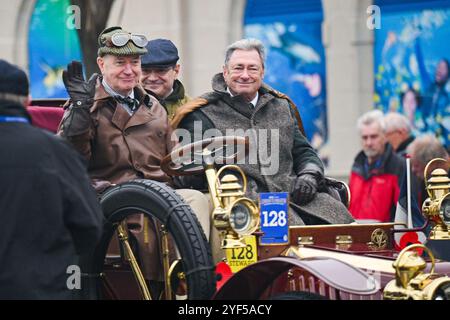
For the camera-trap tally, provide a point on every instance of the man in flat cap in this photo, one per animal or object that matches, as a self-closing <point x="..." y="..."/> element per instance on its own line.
<point x="160" y="69"/>
<point x="49" y="211"/>
<point x="121" y="130"/>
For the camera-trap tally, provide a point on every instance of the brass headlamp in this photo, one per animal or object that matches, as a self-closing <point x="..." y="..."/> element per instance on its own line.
<point x="234" y="215"/>
<point x="411" y="282"/>
<point x="437" y="207"/>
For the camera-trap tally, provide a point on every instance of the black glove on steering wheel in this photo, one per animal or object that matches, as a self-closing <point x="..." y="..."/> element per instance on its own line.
<point x="81" y="92"/>
<point x="305" y="188"/>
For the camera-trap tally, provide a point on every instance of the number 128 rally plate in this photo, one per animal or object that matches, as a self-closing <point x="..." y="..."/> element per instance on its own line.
<point x="274" y="218"/>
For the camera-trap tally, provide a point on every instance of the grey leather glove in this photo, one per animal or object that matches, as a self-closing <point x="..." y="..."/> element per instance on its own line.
<point x="81" y="92"/>
<point x="305" y="188"/>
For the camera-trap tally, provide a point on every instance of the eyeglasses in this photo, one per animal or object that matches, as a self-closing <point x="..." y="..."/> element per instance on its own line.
<point x="253" y="70"/>
<point x="121" y="38"/>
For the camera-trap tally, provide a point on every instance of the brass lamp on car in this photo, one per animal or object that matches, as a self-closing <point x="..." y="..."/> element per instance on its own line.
<point x="234" y="215"/>
<point x="437" y="207"/>
<point x="408" y="266"/>
<point x="412" y="282"/>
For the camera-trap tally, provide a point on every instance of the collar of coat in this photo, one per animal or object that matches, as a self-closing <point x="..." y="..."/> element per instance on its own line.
<point x="13" y="109"/>
<point x="177" y="93"/>
<point x="101" y="94"/>
<point x="220" y="88"/>
<point x="380" y="166"/>
<point x="121" y="118"/>
<point x="402" y="146"/>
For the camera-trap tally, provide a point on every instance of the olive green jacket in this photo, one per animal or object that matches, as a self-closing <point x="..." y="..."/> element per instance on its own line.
<point x="175" y="100"/>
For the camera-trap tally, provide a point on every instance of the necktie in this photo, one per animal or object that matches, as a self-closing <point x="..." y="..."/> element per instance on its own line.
<point x="130" y="102"/>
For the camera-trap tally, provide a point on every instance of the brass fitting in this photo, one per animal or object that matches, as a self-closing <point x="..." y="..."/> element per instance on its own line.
<point x="411" y="282"/>
<point x="234" y="215"/>
<point x="437" y="207"/>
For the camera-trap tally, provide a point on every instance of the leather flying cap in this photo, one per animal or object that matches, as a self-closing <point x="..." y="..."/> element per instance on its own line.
<point x="162" y="53"/>
<point x="13" y="82"/>
<point x="106" y="45"/>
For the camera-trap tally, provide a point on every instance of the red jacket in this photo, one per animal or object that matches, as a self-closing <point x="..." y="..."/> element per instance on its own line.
<point x="375" y="189"/>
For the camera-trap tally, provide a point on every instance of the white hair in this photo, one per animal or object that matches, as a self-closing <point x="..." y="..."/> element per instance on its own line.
<point x="396" y="121"/>
<point x="246" y="45"/>
<point x="426" y="148"/>
<point x="374" y="116"/>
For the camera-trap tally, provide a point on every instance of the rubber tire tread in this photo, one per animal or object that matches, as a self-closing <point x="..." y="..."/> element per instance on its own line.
<point x="156" y="199"/>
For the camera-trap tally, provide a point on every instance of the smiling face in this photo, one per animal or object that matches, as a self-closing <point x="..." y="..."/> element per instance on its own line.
<point x="122" y="73"/>
<point x="159" y="80"/>
<point x="244" y="73"/>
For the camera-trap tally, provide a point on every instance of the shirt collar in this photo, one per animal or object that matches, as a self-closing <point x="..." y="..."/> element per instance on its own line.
<point x="112" y="92"/>
<point x="171" y="91"/>
<point x="253" y="102"/>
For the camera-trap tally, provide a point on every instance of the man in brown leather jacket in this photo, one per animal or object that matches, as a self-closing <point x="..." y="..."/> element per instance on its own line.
<point x="120" y="129"/>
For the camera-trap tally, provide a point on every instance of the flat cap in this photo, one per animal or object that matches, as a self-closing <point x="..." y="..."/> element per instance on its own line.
<point x="161" y="53"/>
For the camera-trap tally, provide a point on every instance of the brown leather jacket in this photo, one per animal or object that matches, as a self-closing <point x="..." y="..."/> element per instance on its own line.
<point x="120" y="147"/>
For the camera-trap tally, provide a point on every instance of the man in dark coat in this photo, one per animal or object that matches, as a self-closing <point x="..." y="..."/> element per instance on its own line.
<point x="49" y="211"/>
<point x="398" y="132"/>
<point x="422" y="150"/>
<point x="280" y="157"/>
<point x="241" y="101"/>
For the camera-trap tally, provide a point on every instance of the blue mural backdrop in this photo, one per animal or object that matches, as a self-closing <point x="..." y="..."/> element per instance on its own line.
<point x="51" y="45"/>
<point x="411" y="51"/>
<point x="295" y="65"/>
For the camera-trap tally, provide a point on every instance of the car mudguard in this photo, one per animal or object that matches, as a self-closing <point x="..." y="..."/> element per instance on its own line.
<point x="250" y="282"/>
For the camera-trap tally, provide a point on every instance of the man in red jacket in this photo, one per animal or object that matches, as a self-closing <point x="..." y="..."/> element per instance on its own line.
<point x="376" y="172"/>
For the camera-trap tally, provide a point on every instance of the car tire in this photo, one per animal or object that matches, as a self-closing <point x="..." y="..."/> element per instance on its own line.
<point x="158" y="201"/>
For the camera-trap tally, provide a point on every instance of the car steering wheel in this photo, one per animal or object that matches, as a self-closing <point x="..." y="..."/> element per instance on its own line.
<point x="194" y="157"/>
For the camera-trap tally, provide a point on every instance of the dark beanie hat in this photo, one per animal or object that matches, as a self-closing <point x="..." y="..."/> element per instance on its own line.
<point x="13" y="81"/>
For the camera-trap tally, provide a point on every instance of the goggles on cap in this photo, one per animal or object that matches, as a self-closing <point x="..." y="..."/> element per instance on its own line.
<point x="120" y="39"/>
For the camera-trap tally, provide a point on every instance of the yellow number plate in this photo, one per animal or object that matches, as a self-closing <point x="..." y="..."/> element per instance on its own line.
<point x="242" y="257"/>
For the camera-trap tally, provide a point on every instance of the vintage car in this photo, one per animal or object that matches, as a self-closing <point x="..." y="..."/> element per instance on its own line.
<point x="266" y="258"/>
